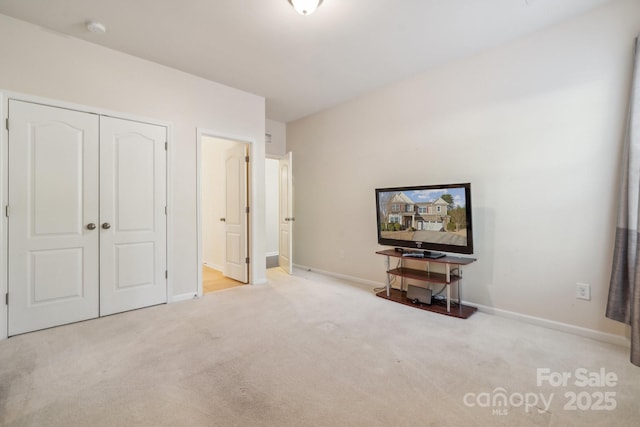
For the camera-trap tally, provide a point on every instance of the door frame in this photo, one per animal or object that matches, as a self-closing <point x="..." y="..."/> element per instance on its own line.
<point x="5" y="96"/>
<point x="251" y="199"/>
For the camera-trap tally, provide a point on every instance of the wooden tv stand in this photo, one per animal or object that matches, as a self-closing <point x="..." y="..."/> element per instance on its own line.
<point x="447" y="278"/>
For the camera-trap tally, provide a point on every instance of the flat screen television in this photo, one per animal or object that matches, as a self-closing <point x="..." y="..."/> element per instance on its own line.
<point x="427" y="218"/>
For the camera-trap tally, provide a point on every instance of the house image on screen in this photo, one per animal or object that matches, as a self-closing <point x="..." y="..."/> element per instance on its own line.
<point x="419" y="216"/>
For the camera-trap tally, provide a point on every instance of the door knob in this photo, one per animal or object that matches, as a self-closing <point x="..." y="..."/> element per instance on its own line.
<point x="91" y="226"/>
<point x="223" y="219"/>
<point x="106" y="226"/>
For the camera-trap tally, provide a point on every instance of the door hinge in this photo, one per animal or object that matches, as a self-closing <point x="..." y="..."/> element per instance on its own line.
<point x="6" y="211"/>
<point x="165" y="210"/>
<point x="246" y="159"/>
<point x="246" y="260"/>
<point x="166" y="274"/>
<point x="166" y="146"/>
<point x="6" y="298"/>
<point x="246" y="209"/>
<point x="6" y="123"/>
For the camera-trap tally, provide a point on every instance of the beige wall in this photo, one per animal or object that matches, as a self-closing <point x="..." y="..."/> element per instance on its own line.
<point x="536" y="126"/>
<point x="39" y="62"/>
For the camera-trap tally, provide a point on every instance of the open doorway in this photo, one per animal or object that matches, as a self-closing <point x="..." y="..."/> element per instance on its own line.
<point x="223" y="212"/>
<point x="272" y="194"/>
<point x="279" y="212"/>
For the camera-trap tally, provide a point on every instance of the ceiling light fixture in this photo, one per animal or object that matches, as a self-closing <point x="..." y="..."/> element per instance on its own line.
<point x="96" y="27"/>
<point x="305" y="7"/>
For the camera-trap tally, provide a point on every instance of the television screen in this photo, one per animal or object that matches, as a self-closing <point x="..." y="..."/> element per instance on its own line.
<point x="427" y="217"/>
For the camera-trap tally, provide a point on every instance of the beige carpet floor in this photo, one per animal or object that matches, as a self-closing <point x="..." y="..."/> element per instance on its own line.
<point x="307" y="350"/>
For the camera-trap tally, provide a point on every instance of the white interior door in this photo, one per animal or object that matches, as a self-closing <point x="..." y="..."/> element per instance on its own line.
<point x="285" y="214"/>
<point x="235" y="263"/>
<point x="53" y="200"/>
<point x="133" y="220"/>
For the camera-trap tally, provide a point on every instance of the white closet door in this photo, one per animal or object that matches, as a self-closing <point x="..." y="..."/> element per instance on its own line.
<point x="53" y="199"/>
<point x="132" y="215"/>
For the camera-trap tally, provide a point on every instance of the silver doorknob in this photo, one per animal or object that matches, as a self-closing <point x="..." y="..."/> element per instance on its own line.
<point x="106" y="226"/>
<point x="91" y="226"/>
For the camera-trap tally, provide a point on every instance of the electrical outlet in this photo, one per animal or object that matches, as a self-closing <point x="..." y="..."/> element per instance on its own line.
<point x="583" y="291"/>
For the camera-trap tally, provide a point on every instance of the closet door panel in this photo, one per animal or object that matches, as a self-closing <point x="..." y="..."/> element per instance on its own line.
<point x="53" y="197"/>
<point x="132" y="215"/>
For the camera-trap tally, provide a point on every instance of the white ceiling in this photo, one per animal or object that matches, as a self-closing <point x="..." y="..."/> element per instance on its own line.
<point x="300" y="64"/>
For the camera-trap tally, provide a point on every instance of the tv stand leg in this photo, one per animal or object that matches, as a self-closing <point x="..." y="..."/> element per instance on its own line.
<point x="401" y="277"/>
<point x="388" y="277"/>
<point x="447" y="273"/>
<point x="460" y="287"/>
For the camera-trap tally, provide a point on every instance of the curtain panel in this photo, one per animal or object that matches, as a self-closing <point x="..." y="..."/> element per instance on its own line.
<point x="623" y="303"/>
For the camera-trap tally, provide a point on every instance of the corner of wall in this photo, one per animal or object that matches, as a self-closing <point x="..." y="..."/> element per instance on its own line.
<point x="3" y="229"/>
<point x="275" y="138"/>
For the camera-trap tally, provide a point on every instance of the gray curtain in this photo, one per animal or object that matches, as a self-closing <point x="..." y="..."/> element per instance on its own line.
<point x="623" y="304"/>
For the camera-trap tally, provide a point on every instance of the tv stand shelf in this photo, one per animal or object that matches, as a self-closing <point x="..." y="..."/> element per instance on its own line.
<point x="425" y="275"/>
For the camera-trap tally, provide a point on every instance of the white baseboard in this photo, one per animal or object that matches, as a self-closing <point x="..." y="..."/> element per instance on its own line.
<point x="552" y="324"/>
<point x="341" y="276"/>
<point x="183" y="297"/>
<point x="214" y="266"/>
<point x="538" y="321"/>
